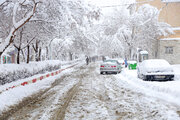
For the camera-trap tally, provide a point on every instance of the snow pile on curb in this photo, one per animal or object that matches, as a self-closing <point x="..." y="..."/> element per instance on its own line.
<point x="176" y="71"/>
<point x="13" y="72"/>
<point x="16" y="95"/>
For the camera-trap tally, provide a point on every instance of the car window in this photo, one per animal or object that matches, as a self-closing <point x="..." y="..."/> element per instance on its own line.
<point x="113" y="61"/>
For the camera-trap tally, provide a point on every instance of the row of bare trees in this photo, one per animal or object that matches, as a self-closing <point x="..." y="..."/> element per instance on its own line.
<point x="30" y="26"/>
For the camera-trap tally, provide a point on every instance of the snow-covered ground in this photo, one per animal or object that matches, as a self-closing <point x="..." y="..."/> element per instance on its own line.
<point x="177" y="71"/>
<point x="168" y="91"/>
<point x="16" y="95"/>
<point x="82" y="93"/>
<point x="111" y="97"/>
<point x="14" y="72"/>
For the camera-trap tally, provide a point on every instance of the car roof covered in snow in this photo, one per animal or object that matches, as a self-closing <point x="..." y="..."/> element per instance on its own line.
<point x="110" y="61"/>
<point x="155" y="63"/>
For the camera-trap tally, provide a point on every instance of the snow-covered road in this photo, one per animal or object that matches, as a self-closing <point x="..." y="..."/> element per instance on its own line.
<point x="84" y="94"/>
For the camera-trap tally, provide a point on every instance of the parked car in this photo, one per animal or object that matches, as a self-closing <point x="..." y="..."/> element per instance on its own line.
<point x="155" y="69"/>
<point x="110" y="66"/>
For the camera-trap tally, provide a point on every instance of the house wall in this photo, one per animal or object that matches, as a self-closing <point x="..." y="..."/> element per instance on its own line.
<point x="169" y="11"/>
<point x="171" y="58"/>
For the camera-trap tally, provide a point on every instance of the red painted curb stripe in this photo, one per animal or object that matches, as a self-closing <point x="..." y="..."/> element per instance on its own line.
<point x="47" y="75"/>
<point x="34" y="80"/>
<point x="42" y="77"/>
<point x="52" y="74"/>
<point x="24" y="83"/>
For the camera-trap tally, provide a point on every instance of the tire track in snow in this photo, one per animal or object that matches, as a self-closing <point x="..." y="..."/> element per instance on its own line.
<point x="106" y="97"/>
<point x="60" y="113"/>
<point x="39" y="102"/>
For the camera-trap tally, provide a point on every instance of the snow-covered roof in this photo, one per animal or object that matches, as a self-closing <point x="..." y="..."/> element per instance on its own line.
<point x="170" y="39"/>
<point x="5" y="54"/>
<point x="170" y="0"/>
<point x="144" y="52"/>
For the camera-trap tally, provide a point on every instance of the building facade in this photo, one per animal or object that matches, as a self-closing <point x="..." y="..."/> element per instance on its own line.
<point x="168" y="46"/>
<point x="169" y="49"/>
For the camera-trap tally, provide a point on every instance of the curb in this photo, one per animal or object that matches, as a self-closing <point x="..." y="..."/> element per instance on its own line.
<point x="37" y="79"/>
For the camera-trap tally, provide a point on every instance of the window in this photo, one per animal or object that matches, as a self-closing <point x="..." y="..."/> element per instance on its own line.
<point x="169" y="50"/>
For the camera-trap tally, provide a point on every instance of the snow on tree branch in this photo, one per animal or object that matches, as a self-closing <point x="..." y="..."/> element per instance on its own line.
<point x="16" y="25"/>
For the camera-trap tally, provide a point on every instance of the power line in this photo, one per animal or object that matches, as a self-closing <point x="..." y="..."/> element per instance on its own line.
<point x="127" y="4"/>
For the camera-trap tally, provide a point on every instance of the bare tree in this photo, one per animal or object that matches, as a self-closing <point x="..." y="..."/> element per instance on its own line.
<point x="17" y="25"/>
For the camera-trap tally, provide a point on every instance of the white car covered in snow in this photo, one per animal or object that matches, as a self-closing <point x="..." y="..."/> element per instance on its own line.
<point x="155" y="69"/>
<point x="110" y="66"/>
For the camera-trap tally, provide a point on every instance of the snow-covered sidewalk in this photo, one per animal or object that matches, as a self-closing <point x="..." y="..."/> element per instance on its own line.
<point x="17" y="94"/>
<point x="168" y="91"/>
<point x="83" y="93"/>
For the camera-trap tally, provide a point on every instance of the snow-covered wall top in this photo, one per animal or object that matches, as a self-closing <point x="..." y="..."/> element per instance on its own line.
<point x="170" y="39"/>
<point x="170" y="0"/>
<point x="176" y="28"/>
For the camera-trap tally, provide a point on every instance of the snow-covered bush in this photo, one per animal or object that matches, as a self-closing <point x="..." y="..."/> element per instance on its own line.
<point x="13" y="72"/>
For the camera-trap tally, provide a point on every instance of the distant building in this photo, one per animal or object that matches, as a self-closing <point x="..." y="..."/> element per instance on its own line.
<point x="9" y="56"/>
<point x="168" y="47"/>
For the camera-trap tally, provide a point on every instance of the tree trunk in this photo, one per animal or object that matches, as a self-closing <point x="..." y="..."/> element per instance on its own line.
<point x="24" y="58"/>
<point x="39" y="56"/>
<point x="47" y="52"/>
<point x="70" y="55"/>
<point x="18" y="56"/>
<point x="36" y="47"/>
<point x="28" y="53"/>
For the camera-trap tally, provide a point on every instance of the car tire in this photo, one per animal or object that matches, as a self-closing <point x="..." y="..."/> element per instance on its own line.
<point x="151" y="78"/>
<point x="103" y="73"/>
<point x="144" y="78"/>
<point x="138" y="74"/>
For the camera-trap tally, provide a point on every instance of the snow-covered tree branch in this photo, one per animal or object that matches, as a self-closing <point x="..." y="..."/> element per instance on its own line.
<point x="17" y="25"/>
